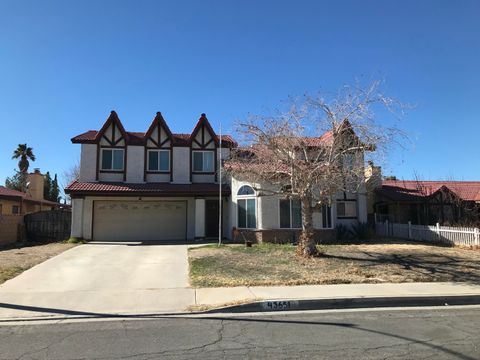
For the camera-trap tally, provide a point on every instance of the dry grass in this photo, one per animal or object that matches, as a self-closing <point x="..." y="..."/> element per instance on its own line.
<point x="15" y="260"/>
<point x="236" y="265"/>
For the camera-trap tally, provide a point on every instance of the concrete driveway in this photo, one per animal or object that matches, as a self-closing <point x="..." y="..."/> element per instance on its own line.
<point x="102" y="278"/>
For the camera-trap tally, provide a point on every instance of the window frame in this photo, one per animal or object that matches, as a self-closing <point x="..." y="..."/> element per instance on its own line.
<point x="112" y="149"/>
<point x="159" y="170"/>
<point x="246" y="198"/>
<point x="291" y="214"/>
<point x="15" y="207"/>
<point x="326" y="218"/>
<point x="350" y="202"/>
<point x="203" y="171"/>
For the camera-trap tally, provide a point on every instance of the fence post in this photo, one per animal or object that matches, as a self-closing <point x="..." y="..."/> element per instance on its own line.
<point x="387" y="229"/>
<point x="437" y="230"/>
<point x="476" y="233"/>
<point x="409" y="229"/>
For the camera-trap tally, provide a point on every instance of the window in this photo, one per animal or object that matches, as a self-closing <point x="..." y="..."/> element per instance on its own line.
<point x="15" y="209"/>
<point x="202" y="161"/>
<point x="347" y="209"/>
<point x="348" y="161"/>
<point x="112" y="159"/>
<point x="290" y="213"/>
<point x="246" y="208"/>
<point x="158" y="160"/>
<point x="326" y="217"/>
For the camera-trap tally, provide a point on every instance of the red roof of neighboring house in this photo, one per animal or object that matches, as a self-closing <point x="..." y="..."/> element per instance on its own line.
<point x="9" y="193"/>
<point x="406" y="190"/>
<point x="153" y="189"/>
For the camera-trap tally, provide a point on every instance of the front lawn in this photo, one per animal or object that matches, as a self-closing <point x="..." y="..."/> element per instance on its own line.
<point x="237" y="265"/>
<point x="15" y="260"/>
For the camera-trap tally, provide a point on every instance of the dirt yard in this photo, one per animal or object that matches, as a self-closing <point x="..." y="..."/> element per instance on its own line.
<point x="14" y="261"/>
<point x="236" y="265"/>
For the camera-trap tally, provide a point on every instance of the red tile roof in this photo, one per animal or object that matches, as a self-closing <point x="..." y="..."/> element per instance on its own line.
<point x="406" y="190"/>
<point x="138" y="138"/>
<point x="153" y="189"/>
<point x="9" y="193"/>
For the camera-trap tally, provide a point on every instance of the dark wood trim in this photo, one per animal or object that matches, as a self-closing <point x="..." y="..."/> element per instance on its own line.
<point x="215" y="167"/>
<point x="125" y="162"/>
<point x="164" y="142"/>
<point x="112" y="171"/>
<point x="145" y="163"/>
<point x="116" y="142"/>
<point x="203" y="173"/>
<point x="158" y="172"/>
<point x="98" y="162"/>
<point x="198" y="144"/>
<point x="93" y="219"/>
<point x="190" y="163"/>
<point x="154" y="141"/>
<point x="208" y="143"/>
<point x="107" y="140"/>
<point x="171" y="162"/>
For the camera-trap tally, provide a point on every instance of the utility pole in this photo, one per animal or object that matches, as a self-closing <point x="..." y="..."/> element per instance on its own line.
<point x="220" y="188"/>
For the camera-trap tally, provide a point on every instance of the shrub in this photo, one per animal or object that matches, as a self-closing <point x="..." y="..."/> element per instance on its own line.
<point x="343" y="232"/>
<point x="361" y="231"/>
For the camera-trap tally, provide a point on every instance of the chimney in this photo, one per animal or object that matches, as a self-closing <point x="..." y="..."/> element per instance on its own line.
<point x="373" y="176"/>
<point x="35" y="184"/>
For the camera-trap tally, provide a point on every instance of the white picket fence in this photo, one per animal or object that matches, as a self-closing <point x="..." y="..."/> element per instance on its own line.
<point x="462" y="236"/>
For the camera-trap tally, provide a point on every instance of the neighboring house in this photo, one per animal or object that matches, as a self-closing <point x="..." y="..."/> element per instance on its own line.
<point x="163" y="186"/>
<point x="14" y="202"/>
<point x="424" y="202"/>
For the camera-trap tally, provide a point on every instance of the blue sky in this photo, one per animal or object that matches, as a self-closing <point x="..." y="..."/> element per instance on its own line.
<point x="65" y="64"/>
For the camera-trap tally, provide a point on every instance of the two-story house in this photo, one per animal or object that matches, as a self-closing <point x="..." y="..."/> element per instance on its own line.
<point x="162" y="186"/>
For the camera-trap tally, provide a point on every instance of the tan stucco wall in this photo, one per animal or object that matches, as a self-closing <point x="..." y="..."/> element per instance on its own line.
<point x="9" y="228"/>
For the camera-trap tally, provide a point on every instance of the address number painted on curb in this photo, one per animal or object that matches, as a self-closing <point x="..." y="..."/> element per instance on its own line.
<point x="279" y="305"/>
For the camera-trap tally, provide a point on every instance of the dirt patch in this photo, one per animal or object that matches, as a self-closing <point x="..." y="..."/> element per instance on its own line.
<point x="339" y="264"/>
<point x="15" y="260"/>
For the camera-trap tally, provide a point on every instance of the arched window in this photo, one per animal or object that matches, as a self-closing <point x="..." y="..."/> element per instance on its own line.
<point x="245" y="190"/>
<point x="246" y="208"/>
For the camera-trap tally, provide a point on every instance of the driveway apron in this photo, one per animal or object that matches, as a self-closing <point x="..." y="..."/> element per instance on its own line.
<point x="98" y="279"/>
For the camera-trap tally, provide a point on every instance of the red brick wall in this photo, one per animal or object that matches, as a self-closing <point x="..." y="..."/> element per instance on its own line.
<point x="9" y="228"/>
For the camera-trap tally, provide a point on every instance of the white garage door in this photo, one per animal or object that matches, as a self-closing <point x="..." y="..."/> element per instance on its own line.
<point x="139" y="220"/>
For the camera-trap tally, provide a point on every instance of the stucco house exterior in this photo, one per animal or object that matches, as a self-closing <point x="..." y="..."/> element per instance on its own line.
<point x="162" y="186"/>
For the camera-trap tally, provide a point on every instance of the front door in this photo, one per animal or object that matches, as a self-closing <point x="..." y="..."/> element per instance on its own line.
<point x="211" y="218"/>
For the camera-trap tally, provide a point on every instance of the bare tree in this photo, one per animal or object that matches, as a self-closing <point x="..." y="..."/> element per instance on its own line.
<point x="314" y="150"/>
<point x="69" y="176"/>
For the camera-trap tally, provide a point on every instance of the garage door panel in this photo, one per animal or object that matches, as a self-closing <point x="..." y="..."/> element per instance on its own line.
<point x="139" y="220"/>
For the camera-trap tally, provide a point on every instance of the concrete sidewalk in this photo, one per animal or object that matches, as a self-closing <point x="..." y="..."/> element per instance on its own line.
<point x="160" y="301"/>
<point x="219" y="296"/>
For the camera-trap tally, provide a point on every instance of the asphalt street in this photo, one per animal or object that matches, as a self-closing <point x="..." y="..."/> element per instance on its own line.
<point x="441" y="333"/>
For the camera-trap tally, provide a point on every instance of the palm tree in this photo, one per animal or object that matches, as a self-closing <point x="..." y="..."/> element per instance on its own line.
<point x="24" y="153"/>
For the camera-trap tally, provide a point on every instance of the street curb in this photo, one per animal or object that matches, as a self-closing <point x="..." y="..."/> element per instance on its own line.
<point x="349" y="303"/>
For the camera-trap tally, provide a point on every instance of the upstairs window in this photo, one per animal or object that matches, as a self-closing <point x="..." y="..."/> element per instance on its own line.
<point x="159" y="160"/>
<point x="348" y="161"/>
<point x="290" y="214"/>
<point x="202" y="161"/>
<point x="112" y="159"/>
